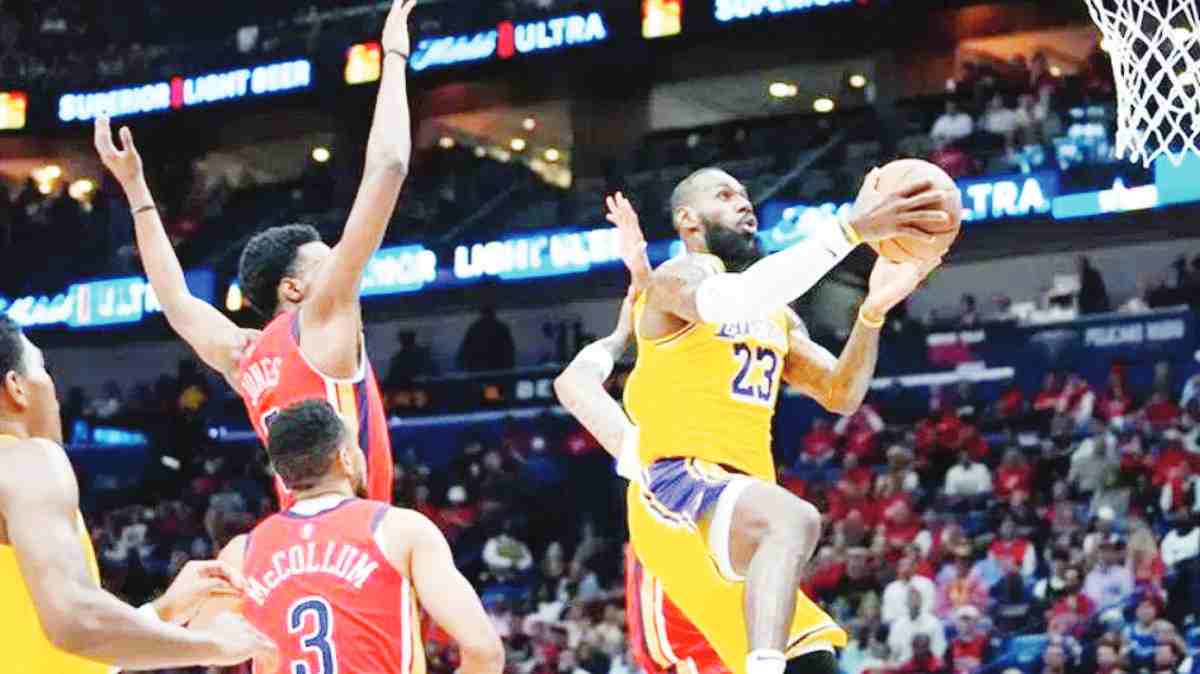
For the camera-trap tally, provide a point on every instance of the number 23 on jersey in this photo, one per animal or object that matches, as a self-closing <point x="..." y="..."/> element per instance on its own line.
<point x="755" y="381"/>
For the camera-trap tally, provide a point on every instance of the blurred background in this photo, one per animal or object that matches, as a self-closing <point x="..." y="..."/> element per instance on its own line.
<point x="1022" y="490"/>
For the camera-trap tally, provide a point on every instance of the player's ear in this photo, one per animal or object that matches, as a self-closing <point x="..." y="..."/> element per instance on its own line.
<point x="15" y="388"/>
<point x="292" y="290"/>
<point x="685" y="220"/>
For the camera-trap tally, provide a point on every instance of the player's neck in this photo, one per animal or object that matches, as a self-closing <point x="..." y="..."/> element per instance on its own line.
<point x="339" y="488"/>
<point x="14" y="427"/>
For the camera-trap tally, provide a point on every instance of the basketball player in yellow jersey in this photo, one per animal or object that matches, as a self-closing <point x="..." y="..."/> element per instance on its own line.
<point x="54" y="616"/>
<point x="715" y="339"/>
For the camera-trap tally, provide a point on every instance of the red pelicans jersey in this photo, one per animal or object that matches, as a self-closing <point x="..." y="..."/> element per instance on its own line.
<point x="274" y="374"/>
<point x="320" y="587"/>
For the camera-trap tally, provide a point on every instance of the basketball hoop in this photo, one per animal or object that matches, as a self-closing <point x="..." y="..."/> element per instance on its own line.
<point x="1155" y="51"/>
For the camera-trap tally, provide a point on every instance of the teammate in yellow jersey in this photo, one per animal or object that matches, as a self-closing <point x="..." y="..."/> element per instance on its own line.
<point x="56" y="617"/>
<point x="722" y="542"/>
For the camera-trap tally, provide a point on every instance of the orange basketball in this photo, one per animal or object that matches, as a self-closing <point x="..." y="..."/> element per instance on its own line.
<point x="901" y="173"/>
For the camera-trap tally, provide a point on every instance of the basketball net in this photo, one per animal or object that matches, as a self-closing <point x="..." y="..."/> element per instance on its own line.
<point x="1155" y="51"/>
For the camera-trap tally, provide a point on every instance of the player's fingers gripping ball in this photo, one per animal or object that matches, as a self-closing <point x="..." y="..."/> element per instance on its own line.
<point x="894" y="177"/>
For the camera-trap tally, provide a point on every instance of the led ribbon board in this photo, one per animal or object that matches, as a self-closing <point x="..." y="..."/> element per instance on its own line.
<point x="186" y="92"/>
<point x="509" y="39"/>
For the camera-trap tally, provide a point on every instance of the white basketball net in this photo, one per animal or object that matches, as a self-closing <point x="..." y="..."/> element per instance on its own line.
<point x="1155" y="49"/>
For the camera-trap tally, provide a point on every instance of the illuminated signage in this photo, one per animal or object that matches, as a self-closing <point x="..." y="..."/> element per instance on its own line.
<point x="736" y="10"/>
<point x="549" y="254"/>
<point x="183" y="92"/>
<point x="403" y="269"/>
<point x="1118" y="199"/>
<point x="364" y="63"/>
<point x="661" y="18"/>
<point x="13" y="108"/>
<point x="98" y="303"/>
<point x="509" y="39"/>
<point x="1008" y="196"/>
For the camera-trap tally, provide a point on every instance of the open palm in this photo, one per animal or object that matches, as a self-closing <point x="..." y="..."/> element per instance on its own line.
<point x="891" y="282"/>
<point x="630" y="240"/>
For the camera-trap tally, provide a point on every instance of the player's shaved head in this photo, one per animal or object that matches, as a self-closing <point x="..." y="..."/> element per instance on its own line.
<point x="303" y="442"/>
<point x="685" y="192"/>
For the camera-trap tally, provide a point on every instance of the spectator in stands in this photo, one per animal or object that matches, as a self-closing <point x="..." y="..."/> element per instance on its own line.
<point x="1181" y="555"/>
<point x="924" y="660"/>
<point x="505" y="555"/>
<point x="1013" y="476"/>
<point x="1104" y="525"/>
<point x="488" y="344"/>
<point x="1070" y="614"/>
<point x="899" y="476"/>
<point x="1000" y="120"/>
<point x="916" y="621"/>
<point x="968" y="482"/>
<point x="1138" y="638"/>
<point x="819" y="444"/>
<point x="1093" y="295"/>
<point x="1011" y="551"/>
<point x="1040" y="78"/>
<point x="1095" y="460"/>
<point x="1055" y="659"/>
<point x="1110" y="582"/>
<point x="857" y="582"/>
<point x="970" y="648"/>
<point x="959" y="585"/>
<point x="952" y="126"/>
<point x="410" y="360"/>
<point x="860" y="432"/>
<point x="896" y="594"/>
<point x="1012" y="603"/>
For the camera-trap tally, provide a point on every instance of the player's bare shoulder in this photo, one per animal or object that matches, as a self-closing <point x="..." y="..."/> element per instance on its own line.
<point x="671" y="296"/>
<point x="37" y="473"/>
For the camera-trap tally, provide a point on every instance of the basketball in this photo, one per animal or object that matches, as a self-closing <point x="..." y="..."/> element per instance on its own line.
<point x="894" y="176"/>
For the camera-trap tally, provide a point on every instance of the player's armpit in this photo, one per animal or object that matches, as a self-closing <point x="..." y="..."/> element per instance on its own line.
<point x="442" y="590"/>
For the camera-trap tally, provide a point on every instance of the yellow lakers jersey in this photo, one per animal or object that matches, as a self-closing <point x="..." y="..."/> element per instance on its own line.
<point x="708" y="391"/>
<point x="24" y="647"/>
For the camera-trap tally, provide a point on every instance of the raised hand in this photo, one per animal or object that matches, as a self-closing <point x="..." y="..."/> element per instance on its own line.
<point x="908" y="213"/>
<point x="630" y="239"/>
<point x="124" y="162"/>
<point x="395" y="30"/>
<point x="892" y="282"/>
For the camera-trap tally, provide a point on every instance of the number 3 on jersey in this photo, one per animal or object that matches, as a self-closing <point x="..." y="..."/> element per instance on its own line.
<point x="316" y="635"/>
<point x="748" y="388"/>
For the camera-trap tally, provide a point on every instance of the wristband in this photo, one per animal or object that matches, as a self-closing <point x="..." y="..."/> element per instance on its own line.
<point x="142" y="209"/>
<point x="848" y="230"/>
<point x="874" y="325"/>
<point x="599" y="356"/>
<point x="628" y="464"/>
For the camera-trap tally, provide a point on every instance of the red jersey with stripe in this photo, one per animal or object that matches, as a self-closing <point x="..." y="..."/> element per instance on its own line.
<point x="320" y="587"/>
<point x="274" y="374"/>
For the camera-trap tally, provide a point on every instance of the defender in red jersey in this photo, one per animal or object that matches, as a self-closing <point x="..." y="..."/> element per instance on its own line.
<point x="338" y="582"/>
<point x="306" y="291"/>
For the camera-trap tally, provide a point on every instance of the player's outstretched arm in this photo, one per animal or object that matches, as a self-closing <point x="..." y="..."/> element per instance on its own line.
<point x="688" y="290"/>
<point x="215" y="338"/>
<point x="389" y="146"/>
<point x="580" y="389"/>
<point x="39" y="499"/>
<point x="840" y="384"/>
<point x="419" y="551"/>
